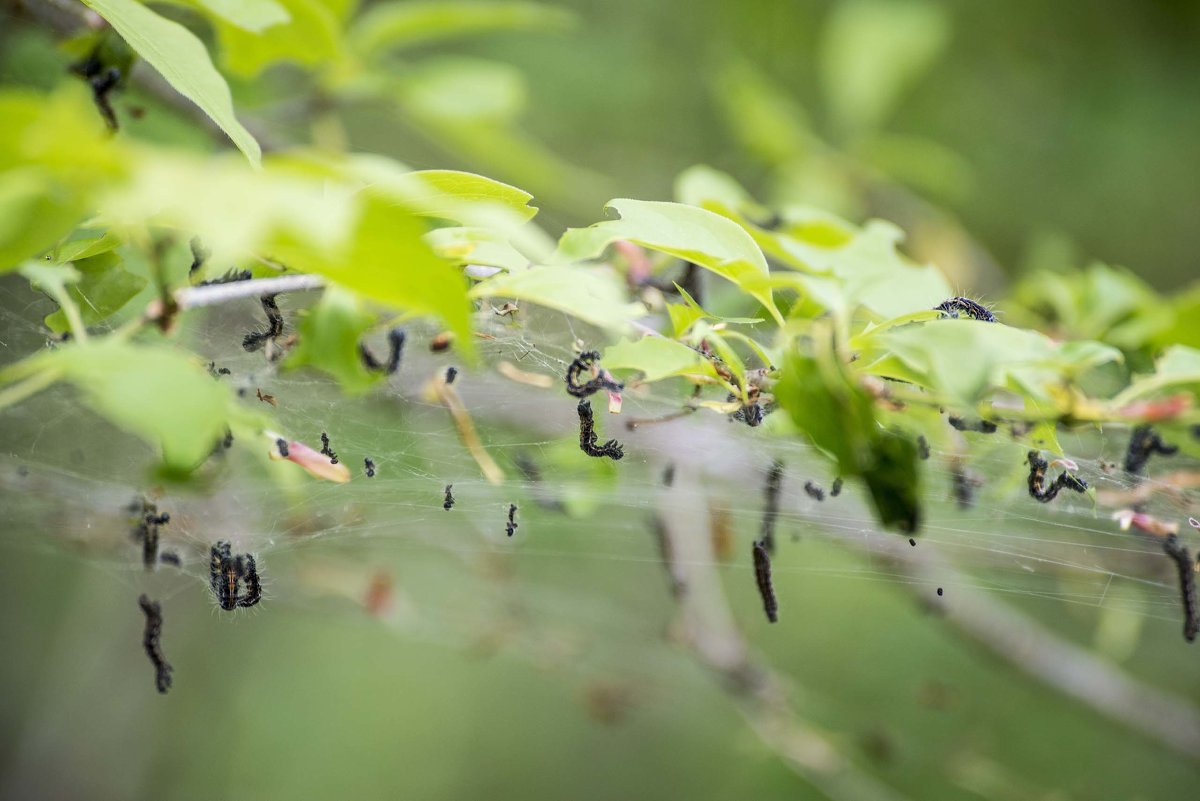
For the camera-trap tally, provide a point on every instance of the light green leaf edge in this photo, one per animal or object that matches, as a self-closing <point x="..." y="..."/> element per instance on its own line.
<point x="182" y="59"/>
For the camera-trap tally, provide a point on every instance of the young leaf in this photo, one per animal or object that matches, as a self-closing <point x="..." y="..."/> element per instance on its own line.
<point x="591" y="295"/>
<point x="657" y="358"/>
<point x="181" y="58"/>
<point x="686" y="232"/>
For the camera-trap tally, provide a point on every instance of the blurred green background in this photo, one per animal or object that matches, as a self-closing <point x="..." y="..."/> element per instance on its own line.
<point x="1020" y="135"/>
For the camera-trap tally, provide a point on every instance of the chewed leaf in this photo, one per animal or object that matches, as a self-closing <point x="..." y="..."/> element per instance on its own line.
<point x="180" y="57"/>
<point x="657" y="358"/>
<point x="592" y="295"/>
<point x="686" y="232"/>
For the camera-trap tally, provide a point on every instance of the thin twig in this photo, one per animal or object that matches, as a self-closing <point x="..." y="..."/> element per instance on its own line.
<point x="195" y="296"/>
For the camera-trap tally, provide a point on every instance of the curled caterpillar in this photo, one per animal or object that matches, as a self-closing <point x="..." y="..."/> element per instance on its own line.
<point x="1144" y="442"/>
<point x="255" y="340"/>
<point x="1037" y="480"/>
<point x="395" y="338"/>
<point x="602" y="380"/>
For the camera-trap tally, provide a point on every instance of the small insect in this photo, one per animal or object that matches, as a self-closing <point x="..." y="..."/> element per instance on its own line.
<point x="282" y="446"/>
<point x="511" y="526"/>
<point x="912" y="542"/>
<point x="170" y="558"/>
<point x="771" y="505"/>
<point x="836" y="489"/>
<point x="264" y="397"/>
<point x="1144" y="442"/>
<point x="814" y="490"/>
<point x="601" y="379"/>
<point x="940" y="592"/>
<point x="151" y="642"/>
<point x="965" y="307"/>
<point x="227" y="442"/>
<point x="448" y="503"/>
<point x="146" y="531"/>
<point x="102" y="81"/>
<point x="369" y="466"/>
<point x="668" y="476"/>
<point x="199" y="254"/>
<point x="395" y="338"/>
<point x="441" y="342"/>
<point x="451" y="374"/>
<point x="326" y="450"/>
<point x="965" y="484"/>
<point x="253" y="593"/>
<point x="587" y="435"/>
<point x="507" y="310"/>
<point x="922" y="447"/>
<point x="982" y="426"/>
<point x="227" y="573"/>
<point x="217" y="372"/>
<point x="255" y="340"/>
<point x="1037" y="480"/>
<point x="762" y="576"/>
<point x="1187" y="585"/>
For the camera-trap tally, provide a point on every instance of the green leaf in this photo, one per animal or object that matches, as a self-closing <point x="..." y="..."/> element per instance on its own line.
<point x="156" y="392"/>
<point x="874" y="50"/>
<point x="595" y="296"/>
<point x="867" y="271"/>
<point x="310" y="35"/>
<point x="33" y="215"/>
<point x="657" y="358"/>
<point x="463" y="197"/>
<point x="181" y="58"/>
<point x="395" y="26"/>
<point x="963" y="360"/>
<point x="1178" y="369"/>
<point x="330" y="334"/>
<point x="686" y="232"/>
<point x="476" y="246"/>
<point x="838" y="416"/>
<point x="254" y="16"/>
<point x="386" y="259"/>
<point x="84" y="246"/>
<point x="105" y="286"/>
